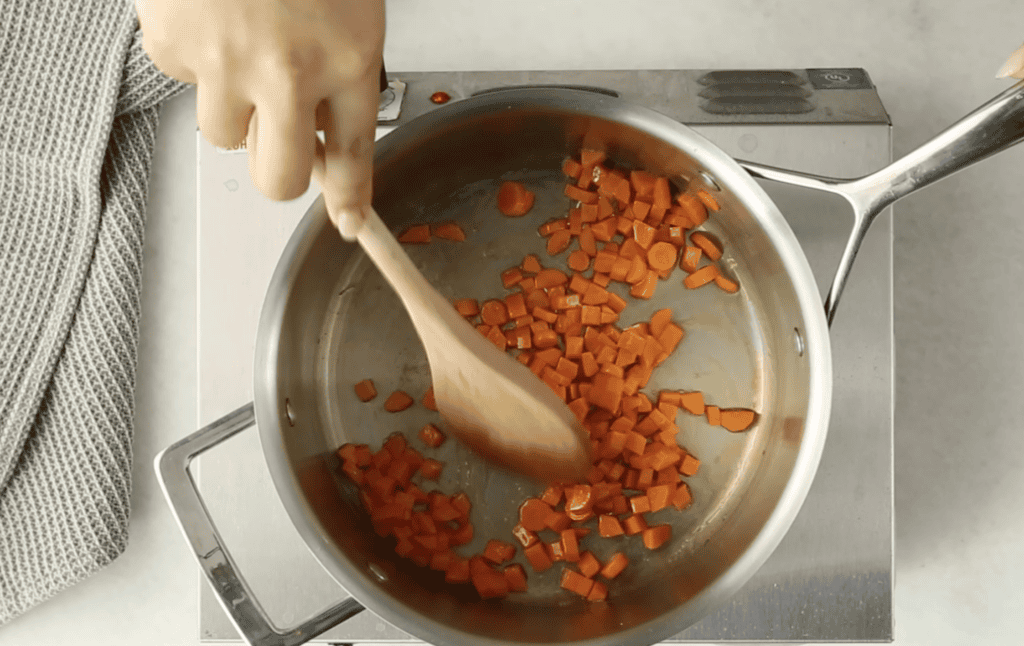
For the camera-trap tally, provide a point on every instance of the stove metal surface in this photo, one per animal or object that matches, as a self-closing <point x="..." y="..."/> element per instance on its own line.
<point x="831" y="578"/>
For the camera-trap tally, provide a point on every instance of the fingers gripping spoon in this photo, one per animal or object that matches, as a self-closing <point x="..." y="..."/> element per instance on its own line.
<point x="492" y="403"/>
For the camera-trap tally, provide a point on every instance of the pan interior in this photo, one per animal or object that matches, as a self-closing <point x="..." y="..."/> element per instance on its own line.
<point x="342" y="323"/>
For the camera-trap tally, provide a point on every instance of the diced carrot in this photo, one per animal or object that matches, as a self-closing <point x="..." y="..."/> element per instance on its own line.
<point x="689" y="465"/>
<point x="634" y="525"/>
<point x="598" y="592"/>
<point x="681" y="499"/>
<point x="537" y="556"/>
<point x="467" y="307"/>
<point x="696" y="211"/>
<point x="620" y="269"/>
<point x="498" y="551"/>
<point x="514" y="199"/>
<point x="431" y="469"/>
<point x="708" y="201"/>
<point x="578" y="260"/>
<point x="432" y="436"/>
<point x="701" y="277"/>
<point x="570" y="545"/>
<point x="643" y="233"/>
<point x="365" y="390"/>
<point x="656" y="536"/>
<point x="450" y="231"/>
<point x="607" y="392"/>
<point x="556" y="521"/>
<point x="525" y="537"/>
<point x="727" y="285"/>
<point x="575" y="582"/>
<point x="533" y="514"/>
<point x="515" y="575"/>
<point x="604" y="230"/>
<point x="462" y="535"/>
<point x="670" y="337"/>
<point x="640" y="210"/>
<point x="458" y="571"/>
<point x="644" y="288"/>
<point x="417" y="234"/>
<point x="692" y="402"/>
<point x="549" y="227"/>
<point x="397" y="401"/>
<point x="640" y="504"/>
<point x="580" y="195"/>
<point x="591" y="157"/>
<point x="737" y="419"/>
<point x="661" y="256"/>
<point x="488" y="582"/>
<point x="614" y="565"/>
<point x="662" y="194"/>
<point x="659" y="496"/>
<point x="616" y="303"/>
<point x="643" y="184"/>
<point x="572" y="168"/>
<point x="714" y="414"/>
<point x="691" y="259"/>
<point x="588" y="243"/>
<point x="589" y="565"/>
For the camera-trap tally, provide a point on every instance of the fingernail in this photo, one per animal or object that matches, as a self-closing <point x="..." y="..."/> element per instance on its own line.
<point x="1014" y="66"/>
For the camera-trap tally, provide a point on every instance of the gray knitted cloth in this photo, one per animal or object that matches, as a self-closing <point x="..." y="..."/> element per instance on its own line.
<point x="78" y="116"/>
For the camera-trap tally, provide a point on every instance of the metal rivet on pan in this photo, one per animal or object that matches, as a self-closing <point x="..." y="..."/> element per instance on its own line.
<point x="710" y="181"/>
<point x="799" y="341"/>
<point x="289" y="413"/>
<point x="378" y="572"/>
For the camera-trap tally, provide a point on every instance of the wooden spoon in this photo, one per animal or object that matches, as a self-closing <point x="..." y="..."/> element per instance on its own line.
<point x="491" y="402"/>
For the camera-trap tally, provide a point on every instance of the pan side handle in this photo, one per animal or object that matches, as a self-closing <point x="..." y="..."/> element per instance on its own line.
<point x="193" y="518"/>
<point x="992" y="128"/>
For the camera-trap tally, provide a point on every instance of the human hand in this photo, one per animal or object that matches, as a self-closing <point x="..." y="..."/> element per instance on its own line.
<point x="269" y="73"/>
<point x="1014" y="66"/>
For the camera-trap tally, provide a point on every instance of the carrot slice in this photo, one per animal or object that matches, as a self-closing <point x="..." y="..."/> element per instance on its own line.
<point x="397" y="401"/>
<point x="711" y="248"/>
<point x="693" y="208"/>
<point x="559" y="242"/>
<point x="661" y="256"/>
<point x="514" y="199"/>
<point x="365" y="390"/>
<point x="418" y="234"/>
<point x="450" y="231"/>
<point x="737" y="419"/>
<point x="550" y="278"/>
<point x="579" y="260"/>
<point x="467" y="307"/>
<point x="726" y="285"/>
<point x="692" y="402"/>
<point x="644" y="288"/>
<point x="494" y="312"/>
<point x="614" y="565"/>
<point x="701" y="277"/>
<point x="656" y="536"/>
<point x="707" y="200"/>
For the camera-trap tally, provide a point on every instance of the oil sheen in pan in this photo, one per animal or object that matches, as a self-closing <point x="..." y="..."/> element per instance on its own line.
<point x="367" y="334"/>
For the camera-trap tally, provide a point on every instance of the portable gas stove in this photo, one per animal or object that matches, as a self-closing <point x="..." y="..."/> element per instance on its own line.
<point x="831" y="578"/>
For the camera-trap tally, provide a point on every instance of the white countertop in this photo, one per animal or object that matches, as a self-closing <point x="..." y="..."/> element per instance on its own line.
<point x="959" y="452"/>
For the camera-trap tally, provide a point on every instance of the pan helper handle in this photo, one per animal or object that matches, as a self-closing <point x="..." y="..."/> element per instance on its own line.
<point x="269" y="74"/>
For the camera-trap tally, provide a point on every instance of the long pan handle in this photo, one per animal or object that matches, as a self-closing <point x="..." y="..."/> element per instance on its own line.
<point x="990" y="129"/>
<point x="234" y="594"/>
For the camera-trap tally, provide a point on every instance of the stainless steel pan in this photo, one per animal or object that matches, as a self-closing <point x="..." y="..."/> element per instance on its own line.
<point x="330" y="320"/>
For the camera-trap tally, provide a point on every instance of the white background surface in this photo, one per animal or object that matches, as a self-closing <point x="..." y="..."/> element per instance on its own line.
<point x="959" y="265"/>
